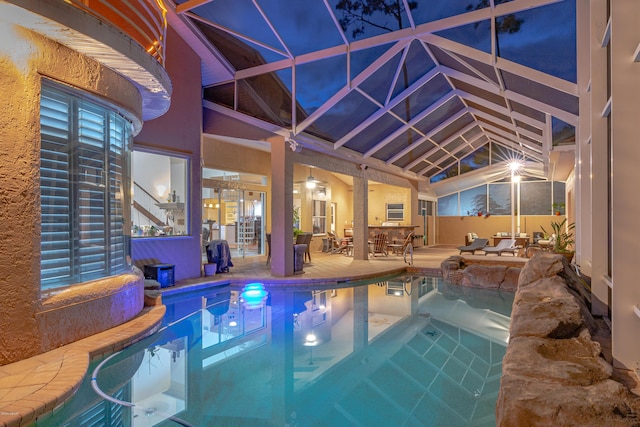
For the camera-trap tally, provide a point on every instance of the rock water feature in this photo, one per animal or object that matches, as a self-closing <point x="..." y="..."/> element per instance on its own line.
<point x="557" y="370"/>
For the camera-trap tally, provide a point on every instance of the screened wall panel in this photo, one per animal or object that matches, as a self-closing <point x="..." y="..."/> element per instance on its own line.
<point x="500" y="199"/>
<point x="535" y="198"/>
<point x="473" y="201"/>
<point x="448" y="205"/>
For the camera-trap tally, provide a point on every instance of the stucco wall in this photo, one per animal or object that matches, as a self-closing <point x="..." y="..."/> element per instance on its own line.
<point x="80" y="311"/>
<point x="26" y="58"/>
<point x="177" y="133"/>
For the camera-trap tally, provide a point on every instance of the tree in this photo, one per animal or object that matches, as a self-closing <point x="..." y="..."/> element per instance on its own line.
<point x="359" y="14"/>
<point x="504" y="24"/>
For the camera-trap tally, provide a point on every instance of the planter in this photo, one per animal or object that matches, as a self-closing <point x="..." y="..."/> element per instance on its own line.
<point x="567" y="255"/>
<point x="210" y="269"/>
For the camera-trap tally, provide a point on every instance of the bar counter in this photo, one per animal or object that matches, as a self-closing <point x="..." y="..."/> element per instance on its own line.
<point x="394" y="232"/>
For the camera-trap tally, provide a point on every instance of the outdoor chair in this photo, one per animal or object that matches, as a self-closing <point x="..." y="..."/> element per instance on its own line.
<point x="338" y="244"/>
<point x="380" y="244"/>
<point x="505" y="245"/>
<point x="476" y="245"/>
<point x="469" y="238"/>
<point x="398" y="248"/>
<point x="305" y="239"/>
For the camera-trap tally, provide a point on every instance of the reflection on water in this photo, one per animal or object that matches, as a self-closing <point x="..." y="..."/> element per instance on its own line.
<point x="405" y="350"/>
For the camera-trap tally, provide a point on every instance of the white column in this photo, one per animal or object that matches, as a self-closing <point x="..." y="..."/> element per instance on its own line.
<point x="599" y="178"/>
<point x="517" y="178"/>
<point x="625" y="245"/>
<point x="513" y="206"/>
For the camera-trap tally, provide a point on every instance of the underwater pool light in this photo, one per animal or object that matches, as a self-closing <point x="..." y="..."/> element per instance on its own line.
<point x="253" y="295"/>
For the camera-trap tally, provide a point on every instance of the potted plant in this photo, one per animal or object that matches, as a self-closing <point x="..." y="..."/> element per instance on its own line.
<point x="563" y="240"/>
<point x="558" y="208"/>
<point x="296" y="222"/>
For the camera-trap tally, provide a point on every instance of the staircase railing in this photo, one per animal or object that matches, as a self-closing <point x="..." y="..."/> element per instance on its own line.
<point x="147" y="211"/>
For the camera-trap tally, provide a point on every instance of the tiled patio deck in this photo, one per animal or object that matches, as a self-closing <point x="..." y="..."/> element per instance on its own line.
<point x="37" y="385"/>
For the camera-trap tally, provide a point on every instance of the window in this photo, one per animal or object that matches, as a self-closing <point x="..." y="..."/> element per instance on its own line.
<point x="319" y="216"/>
<point x="83" y="181"/>
<point x="158" y="208"/>
<point x="395" y="212"/>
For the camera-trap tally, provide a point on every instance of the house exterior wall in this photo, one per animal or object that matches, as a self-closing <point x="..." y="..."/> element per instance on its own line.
<point x="625" y="207"/>
<point x="177" y="133"/>
<point x="26" y="317"/>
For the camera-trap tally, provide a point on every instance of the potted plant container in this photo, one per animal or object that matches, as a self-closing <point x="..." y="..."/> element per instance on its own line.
<point x="563" y="241"/>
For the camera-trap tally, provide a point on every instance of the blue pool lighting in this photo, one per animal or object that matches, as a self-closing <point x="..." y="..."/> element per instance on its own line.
<point x="253" y="295"/>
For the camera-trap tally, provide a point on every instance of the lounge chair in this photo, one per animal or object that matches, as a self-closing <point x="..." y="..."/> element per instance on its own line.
<point x="504" y="245"/>
<point x="476" y="245"/>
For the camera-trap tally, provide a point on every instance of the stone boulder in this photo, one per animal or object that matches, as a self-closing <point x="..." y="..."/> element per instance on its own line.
<point x="532" y="402"/>
<point x="546" y="308"/>
<point x="553" y="372"/>
<point x="459" y="271"/>
<point x="541" y="265"/>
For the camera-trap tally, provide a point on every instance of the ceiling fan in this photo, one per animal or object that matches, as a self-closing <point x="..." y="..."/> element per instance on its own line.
<point x="311" y="182"/>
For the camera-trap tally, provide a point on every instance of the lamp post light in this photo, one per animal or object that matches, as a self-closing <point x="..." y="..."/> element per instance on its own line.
<point x="514" y="167"/>
<point x="517" y="181"/>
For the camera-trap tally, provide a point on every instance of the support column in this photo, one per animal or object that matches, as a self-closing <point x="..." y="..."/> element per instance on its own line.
<point x="281" y="209"/>
<point x="360" y="218"/>
<point x="599" y="167"/>
<point x="625" y="204"/>
<point x="582" y="205"/>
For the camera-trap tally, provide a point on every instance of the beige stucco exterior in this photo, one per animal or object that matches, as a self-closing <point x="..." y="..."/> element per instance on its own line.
<point x="30" y="326"/>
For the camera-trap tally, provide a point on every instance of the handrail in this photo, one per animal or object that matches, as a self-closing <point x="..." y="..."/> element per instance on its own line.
<point x="144" y="190"/>
<point x="145" y="21"/>
<point x="150" y="212"/>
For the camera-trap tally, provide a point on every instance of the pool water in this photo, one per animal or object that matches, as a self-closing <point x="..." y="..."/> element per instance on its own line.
<point x="397" y="351"/>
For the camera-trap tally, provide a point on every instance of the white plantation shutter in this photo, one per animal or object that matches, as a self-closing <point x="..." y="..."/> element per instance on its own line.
<point x="82" y="179"/>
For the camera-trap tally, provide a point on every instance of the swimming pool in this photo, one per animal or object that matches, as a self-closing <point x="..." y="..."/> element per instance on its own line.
<point x="398" y="351"/>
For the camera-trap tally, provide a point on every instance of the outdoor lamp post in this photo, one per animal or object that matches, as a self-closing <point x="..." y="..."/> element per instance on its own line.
<point x="514" y="167"/>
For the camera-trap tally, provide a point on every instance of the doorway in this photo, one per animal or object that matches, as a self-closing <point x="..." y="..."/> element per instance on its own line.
<point x="234" y="212"/>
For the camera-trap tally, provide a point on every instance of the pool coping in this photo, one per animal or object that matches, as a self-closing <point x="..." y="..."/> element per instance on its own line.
<point x="40" y="384"/>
